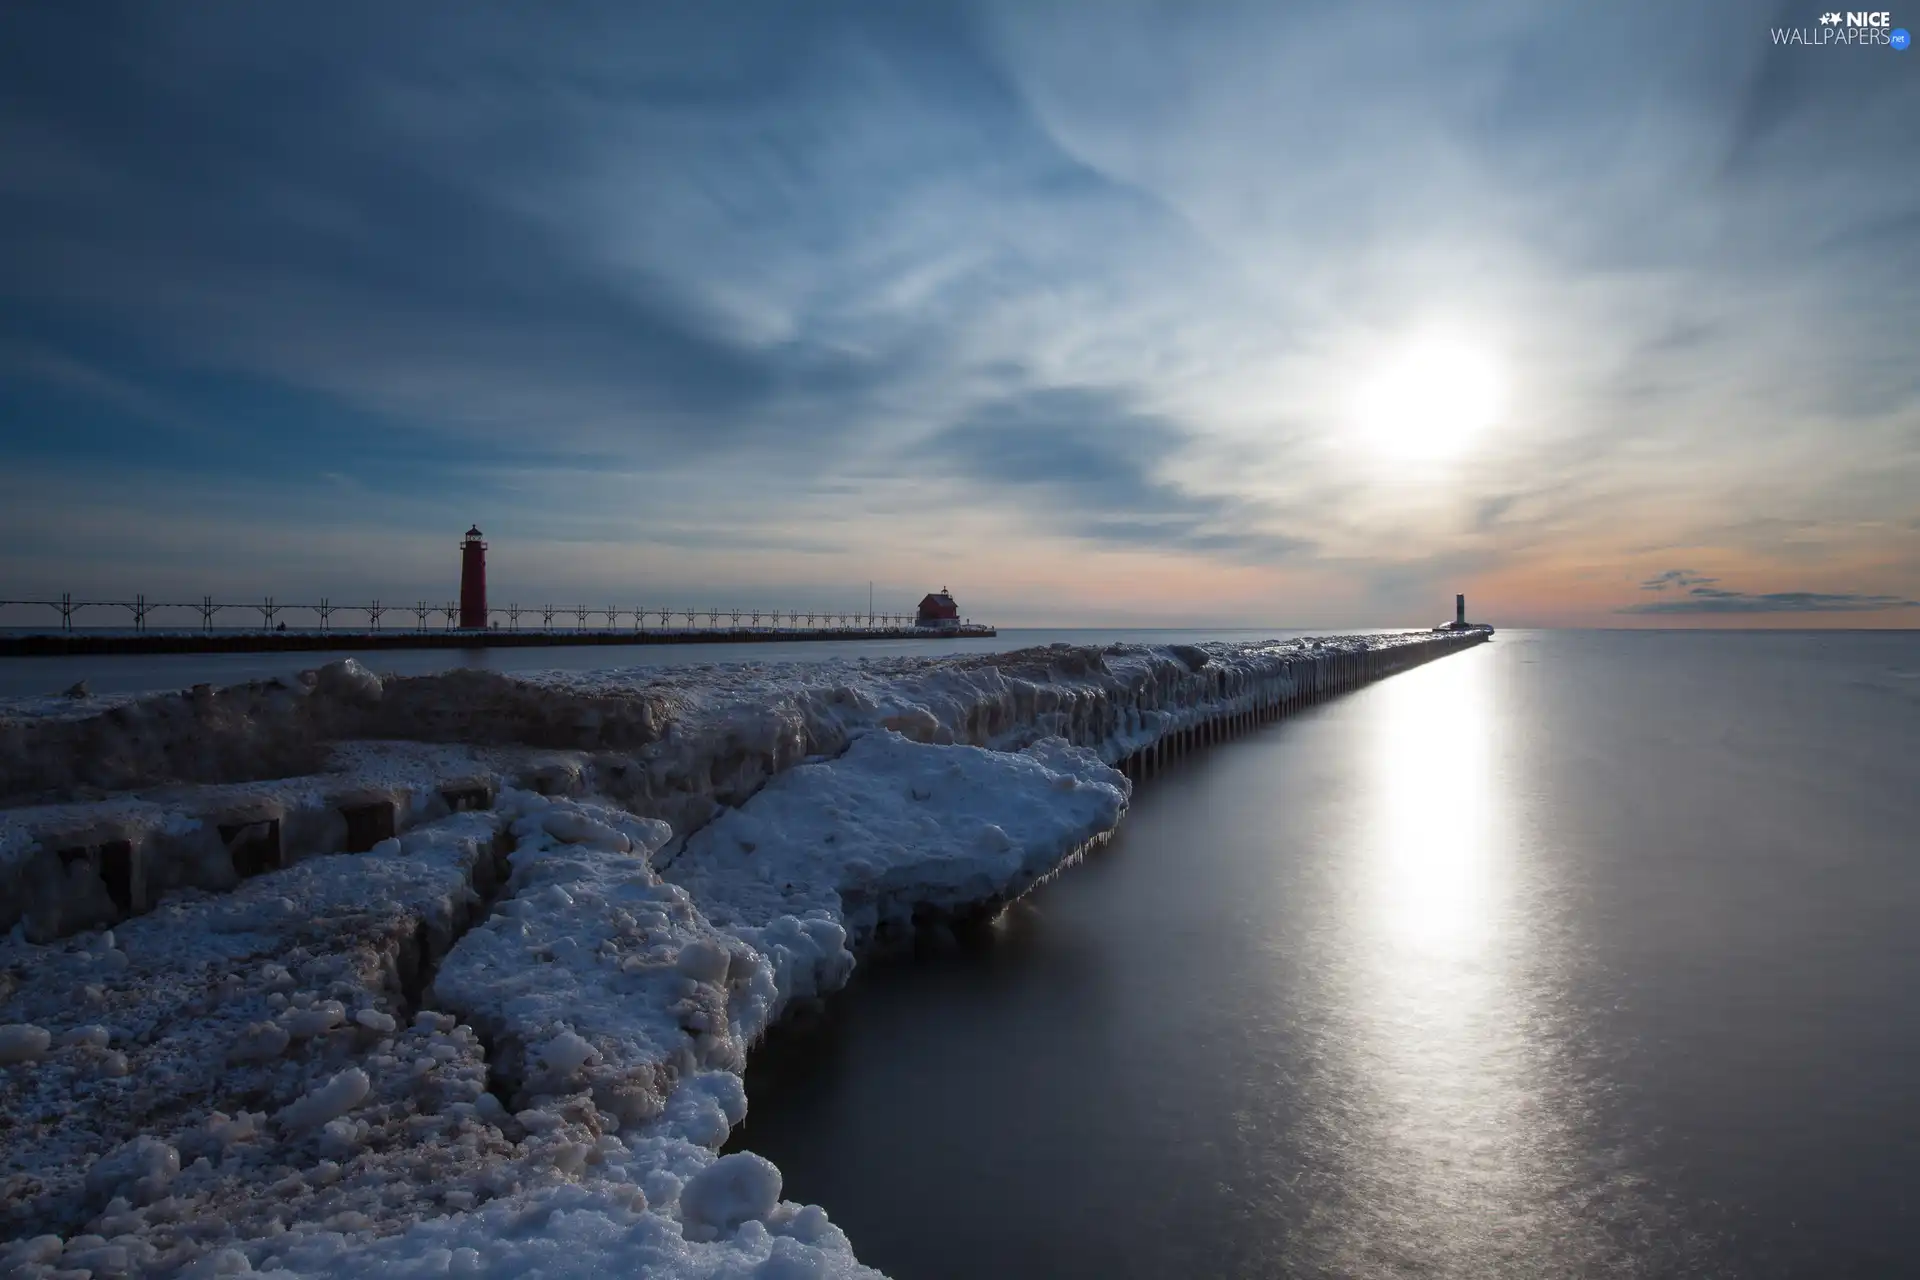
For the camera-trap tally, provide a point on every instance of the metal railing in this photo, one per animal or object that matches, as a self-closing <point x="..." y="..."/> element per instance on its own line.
<point x="206" y="609"/>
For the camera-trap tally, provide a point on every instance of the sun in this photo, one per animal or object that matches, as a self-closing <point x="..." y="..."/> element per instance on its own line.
<point x="1431" y="398"/>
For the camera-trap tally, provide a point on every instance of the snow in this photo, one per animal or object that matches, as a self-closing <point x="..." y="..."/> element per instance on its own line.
<point x="573" y="979"/>
<point x="510" y="1040"/>
<point x="328" y="1102"/>
<point x="96" y="1036"/>
<point x="218" y="1006"/>
<point x="23" y="1042"/>
<point x="733" y="1190"/>
<point x="349" y="682"/>
<point x="894" y="826"/>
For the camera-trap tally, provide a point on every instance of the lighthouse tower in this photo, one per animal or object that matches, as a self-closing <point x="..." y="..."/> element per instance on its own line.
<point x="473" y="582"/>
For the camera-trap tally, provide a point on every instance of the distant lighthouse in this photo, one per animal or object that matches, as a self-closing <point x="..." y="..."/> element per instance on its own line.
<point x="1460" y="622"/>
<point x="473" y="582"/>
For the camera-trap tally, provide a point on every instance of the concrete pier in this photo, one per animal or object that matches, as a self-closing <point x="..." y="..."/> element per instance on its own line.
<point x="1305" y="681"/>
<point x="65" y="643"/>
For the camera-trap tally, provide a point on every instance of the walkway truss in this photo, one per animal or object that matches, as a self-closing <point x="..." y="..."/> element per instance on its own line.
<point x="423" y="614"/>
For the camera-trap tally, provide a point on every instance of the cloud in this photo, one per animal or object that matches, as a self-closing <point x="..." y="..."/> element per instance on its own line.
<point x="1084" y="461"/>
<point x="759" y="246"/>
<point x="1677" y="578"/>
<point x="1709" y="600"/>
<point x="668" y="276"/>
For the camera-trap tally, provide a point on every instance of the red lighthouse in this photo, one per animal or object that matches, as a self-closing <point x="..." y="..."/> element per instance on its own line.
<point x="473" y="582"/>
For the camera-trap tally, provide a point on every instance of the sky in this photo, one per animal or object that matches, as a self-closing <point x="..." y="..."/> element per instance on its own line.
<point x="1098" y="314"/>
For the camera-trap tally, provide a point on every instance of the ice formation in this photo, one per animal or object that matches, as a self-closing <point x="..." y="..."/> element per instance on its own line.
<point x="457" y="974"/>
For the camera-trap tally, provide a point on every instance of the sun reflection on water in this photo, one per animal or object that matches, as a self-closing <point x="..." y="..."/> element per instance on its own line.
<point x="1444" y="1107"/>
<point x="1430" y="789"/>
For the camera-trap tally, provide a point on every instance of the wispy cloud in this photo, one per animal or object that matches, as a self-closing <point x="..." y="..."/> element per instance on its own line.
<point x="1676" y="578"/>
<point x="717" y="284"/>
<point x="1087" y="463"/>
<point x="1713" y="600"/>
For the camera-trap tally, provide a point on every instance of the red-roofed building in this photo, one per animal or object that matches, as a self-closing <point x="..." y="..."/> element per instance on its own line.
<point x="938" y="610"/>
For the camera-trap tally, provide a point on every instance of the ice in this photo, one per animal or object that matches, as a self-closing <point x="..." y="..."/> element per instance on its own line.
<point x="703" y="961"/>
<point x="335" y="1098"/>
<point x="509" y="1037"/>
<point x="195" y="1038"/>
<point x="304" y="1024"/>
<point x="349" y="682"/>
<point x="581" y="1231"/>
<point x="374" y="1020"/>
<point x="705" y="1107"/>
<point x="892" y="827"/>
<point x="22" y="1042"/>
<point x="565" y="1054"/>
<point x="38" y="1249"/>
<point x="137" y="1173"/>
<point x="732" y="1190"/>
<point x="97" y="1037"/>
<point x="572" y="826"/>
<point x="260" y="1042"/>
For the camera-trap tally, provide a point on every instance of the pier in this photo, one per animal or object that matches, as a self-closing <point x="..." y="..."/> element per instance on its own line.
<point x="1300" y="683"/>
<point x="370" y="833"/>
<point x="83" y="643"/>
<point x="263" y="797"/>
<point x="467" y="623"/>
<point x="434" y="626"/>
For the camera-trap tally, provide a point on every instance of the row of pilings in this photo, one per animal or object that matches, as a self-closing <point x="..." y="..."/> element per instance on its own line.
<point x="1303" y="681"/>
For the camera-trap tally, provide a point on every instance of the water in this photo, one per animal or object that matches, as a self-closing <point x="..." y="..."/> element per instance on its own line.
<point x="131" y="673"/>
<point x="1575" y="954"/>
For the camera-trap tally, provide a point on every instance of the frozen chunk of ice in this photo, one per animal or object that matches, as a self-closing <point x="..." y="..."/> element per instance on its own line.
<point x="23" y="1042"/>
<point x="703" y="961"/>
<point x="742" y="1187"/>
<point x="329" y="1101"/>
<point x="374" y="1020"/>
<point x="260" y="1042"/>
<point x="348" y="681"/>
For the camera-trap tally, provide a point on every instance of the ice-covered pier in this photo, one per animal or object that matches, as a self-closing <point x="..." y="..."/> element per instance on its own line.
<point x="457" y="974"/>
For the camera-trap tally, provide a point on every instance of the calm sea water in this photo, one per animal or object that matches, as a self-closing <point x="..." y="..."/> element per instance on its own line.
<point x="1576" y="954"/>
<point x="130" y="673"/>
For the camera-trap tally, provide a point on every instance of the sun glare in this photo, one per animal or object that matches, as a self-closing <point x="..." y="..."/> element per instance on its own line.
<point x="1430" y="398"/>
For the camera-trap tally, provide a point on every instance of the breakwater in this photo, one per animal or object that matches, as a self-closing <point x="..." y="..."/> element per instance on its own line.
<point x="1318" y="677"/>
<point x="469" y="965"/>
